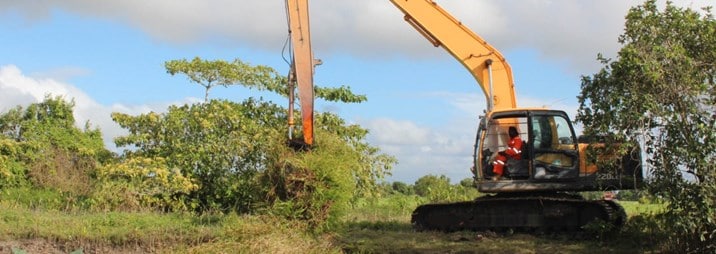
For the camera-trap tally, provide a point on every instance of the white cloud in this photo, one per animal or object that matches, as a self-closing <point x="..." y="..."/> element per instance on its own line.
<point x="567" y="31"/>
<point x="28" y="90"/>
<point x="442" y="149"/>
<point x="19" y="89"/>
<point x="423" y="150"/>
<point x="382" y="130"/>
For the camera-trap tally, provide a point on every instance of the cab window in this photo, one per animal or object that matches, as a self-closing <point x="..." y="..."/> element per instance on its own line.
<point x="553" y="141"/>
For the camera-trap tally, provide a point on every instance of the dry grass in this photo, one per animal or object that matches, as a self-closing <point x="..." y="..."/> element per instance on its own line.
<point x="375" y="226"/>
<point x="122" y="232"/>
<point x="265" y="234"/>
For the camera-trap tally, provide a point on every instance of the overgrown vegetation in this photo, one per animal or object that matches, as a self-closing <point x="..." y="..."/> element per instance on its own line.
<point x="41" y="148"/>
<point x="380" y="223"/>
<point x="212" y="157"/>
<point x="151" y="232"/>
<point x="218" y="177"/>
<point x="661" y="91"/>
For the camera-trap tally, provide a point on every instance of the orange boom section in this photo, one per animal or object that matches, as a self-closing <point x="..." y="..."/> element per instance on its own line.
<point x="302" y="64"/>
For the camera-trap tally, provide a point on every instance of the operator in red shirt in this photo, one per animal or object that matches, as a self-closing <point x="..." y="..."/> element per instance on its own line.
<point x="514" y="151"/>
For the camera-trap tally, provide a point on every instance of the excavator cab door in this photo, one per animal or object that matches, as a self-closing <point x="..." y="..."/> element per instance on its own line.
<point x="493" y="137"/>
<point x="554" y="153"/>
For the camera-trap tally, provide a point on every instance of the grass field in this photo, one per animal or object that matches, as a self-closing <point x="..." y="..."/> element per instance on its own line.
<point x="41" y="231"/>
<point x="378" y="225"/>
<point x="375" y="229"/>
<point x="633" y="208"/>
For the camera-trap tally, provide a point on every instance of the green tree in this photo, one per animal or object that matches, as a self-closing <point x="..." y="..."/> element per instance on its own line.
<point x="220" y="72"/>
<point x="41" y="143"/>
<point x="402" y="188"/>
<point x="435" y="188"/>
<point x="219" y="144"/>
<point x="467" y="183"/>
<point x="209" y="74"/>
<point x="661" y="91"/>
<point x="236" y="154"/>
<point x="374" y="165"/>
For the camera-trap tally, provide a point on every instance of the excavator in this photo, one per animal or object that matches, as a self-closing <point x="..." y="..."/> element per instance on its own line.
<point x="537" y="191"/>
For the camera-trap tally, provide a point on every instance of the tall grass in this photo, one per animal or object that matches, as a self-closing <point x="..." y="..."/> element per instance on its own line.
<point x="40" y="198"/>
<point x="119" y="229"/>
<point x="388" y="208"/>
<point x="29" y="218"/>
<point x="634" y="208"/>
<point x="377" y="224"/>
<point x="383" y="225"/>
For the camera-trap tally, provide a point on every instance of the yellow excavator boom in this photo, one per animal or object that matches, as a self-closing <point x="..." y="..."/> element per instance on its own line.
<point x="484" y="62"/>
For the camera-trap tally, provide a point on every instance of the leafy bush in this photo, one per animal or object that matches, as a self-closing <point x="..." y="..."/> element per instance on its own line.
<point x="315" y="186"/>
<point x="140" y="183"/>
<point x="432" y="186"/>
<point x="319" y="185"/>
<point x="41" y="143"/>
<point x="237" y="156"/>
<point x="12" y="171"/>
<point x="374" y="164"/>
<point x="220" y="144"/>
<point x="439" y="189"/>
<point x="64" y="171"/>
<point x="648" y="230"/>
<point x="403" y="188"/>
<point x="600" y="229"/>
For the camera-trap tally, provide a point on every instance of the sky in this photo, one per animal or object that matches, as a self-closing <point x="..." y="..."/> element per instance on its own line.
<point x="422" y="107"/>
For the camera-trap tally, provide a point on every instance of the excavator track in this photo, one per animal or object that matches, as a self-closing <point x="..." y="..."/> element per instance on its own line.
<point x="519" y="212"/>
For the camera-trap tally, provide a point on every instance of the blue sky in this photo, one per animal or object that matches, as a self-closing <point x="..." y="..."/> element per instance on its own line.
<point x="422" y="105"/>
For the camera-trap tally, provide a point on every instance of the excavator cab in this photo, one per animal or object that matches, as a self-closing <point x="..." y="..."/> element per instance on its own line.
<point x="550" y="152"/>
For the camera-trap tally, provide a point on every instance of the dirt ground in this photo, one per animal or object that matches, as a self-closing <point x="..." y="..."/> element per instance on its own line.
<point x="29" y="246"/>
<point x="43" y="246"/>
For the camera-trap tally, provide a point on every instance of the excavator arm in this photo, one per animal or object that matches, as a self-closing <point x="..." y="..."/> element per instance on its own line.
<point x="302" y="64"/>
<point x="484" y="62"/>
